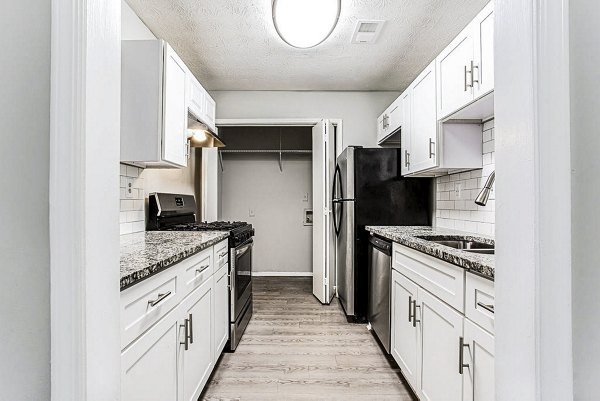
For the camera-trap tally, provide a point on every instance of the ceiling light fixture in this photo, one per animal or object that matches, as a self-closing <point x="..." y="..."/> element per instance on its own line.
<point x="305" y="23"/>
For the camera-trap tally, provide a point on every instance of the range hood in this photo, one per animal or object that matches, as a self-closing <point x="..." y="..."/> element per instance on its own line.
<point x="201" y="136"/>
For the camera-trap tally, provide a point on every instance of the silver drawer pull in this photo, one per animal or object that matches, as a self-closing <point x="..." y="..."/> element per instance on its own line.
<point x="201" y="269"/>
<point x="489" y="308"/>
<point x="160" y="298"/>
<point x="223" y="254"/>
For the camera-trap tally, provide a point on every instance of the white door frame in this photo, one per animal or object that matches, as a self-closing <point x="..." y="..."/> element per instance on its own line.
<point x="84" y="199"/>
<point x="533" y="205"/>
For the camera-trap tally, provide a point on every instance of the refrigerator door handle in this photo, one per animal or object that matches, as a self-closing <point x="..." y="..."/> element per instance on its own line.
<point x="337" y="176"/>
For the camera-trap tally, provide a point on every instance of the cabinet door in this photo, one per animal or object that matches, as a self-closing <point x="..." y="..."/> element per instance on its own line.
<point x="404" y="333"/>
<point x="405" y="132"/>
<point x="455" y="88"/>
<point x="221" y="310"/>
<point x="483" y="27"/>
<point x="196" y="103"/>
<point x="210" y="110"/>
<point x="395" y="116"/>
<point x="197" y="361"/>
<point x="441" y="328"/>
<point x="478" y="377"/>
<point x="149" y="365"/>
<point x="174" y="109"/>
<point x="424" y="121"/>
<point x="380" y="129"/>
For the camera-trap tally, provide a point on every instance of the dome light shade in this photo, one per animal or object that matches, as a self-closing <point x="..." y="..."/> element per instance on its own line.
<point x="305" y="23"/>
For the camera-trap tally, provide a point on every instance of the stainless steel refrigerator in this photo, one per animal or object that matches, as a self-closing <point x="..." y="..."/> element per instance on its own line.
<point x="368" y="190"/>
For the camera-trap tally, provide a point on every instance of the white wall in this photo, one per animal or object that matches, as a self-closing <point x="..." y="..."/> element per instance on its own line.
<point x="585" y="164"/>
<point x="24" y="238"/>
<point x="358" y="110"/>
<point x="149" y="180"/>
<point x="282" y="242"/>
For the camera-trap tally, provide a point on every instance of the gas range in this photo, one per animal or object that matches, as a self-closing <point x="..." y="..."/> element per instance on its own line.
<point x="174" y="212"/>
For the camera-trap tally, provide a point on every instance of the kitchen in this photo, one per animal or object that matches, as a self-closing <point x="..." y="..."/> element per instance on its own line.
<point x="303" y="235"/>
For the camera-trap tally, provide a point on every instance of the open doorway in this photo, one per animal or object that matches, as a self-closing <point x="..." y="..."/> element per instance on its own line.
<point x="271" y="175"/>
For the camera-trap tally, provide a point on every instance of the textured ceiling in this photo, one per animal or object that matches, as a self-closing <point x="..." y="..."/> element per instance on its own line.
<point x="232" y="44"/>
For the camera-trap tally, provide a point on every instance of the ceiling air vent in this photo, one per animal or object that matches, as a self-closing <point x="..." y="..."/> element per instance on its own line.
<point x="367" y="31"/>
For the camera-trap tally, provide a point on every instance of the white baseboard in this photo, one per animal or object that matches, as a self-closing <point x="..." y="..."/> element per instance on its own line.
<point x="282" y="274"/>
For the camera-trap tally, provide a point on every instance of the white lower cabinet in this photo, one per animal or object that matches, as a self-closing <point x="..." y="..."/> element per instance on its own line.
<point x="478" y="377"/>
<point x="149" y="365"/>
<point x="443" y="355"/>
<point x="405" y="339"/>
<point x="196" y="351"/>
<point x="221" y="305"/>
<point x="173" y="358"/>
<point x="440" y="330"/>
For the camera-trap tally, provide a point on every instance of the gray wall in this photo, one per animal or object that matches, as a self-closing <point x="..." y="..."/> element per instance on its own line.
<point x="282" y="242"/>
<point x="585" y="163"/>
<point x="24" y="238"/>
<point x="358" y="110"/>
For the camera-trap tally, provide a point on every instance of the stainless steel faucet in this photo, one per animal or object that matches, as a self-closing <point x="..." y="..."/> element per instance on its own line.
<point x="483" y="196"/>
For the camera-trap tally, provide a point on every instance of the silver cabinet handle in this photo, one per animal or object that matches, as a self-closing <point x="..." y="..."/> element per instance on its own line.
<point x="185" y="326"/>
<point x="431" y="144"/>
<point x="487" y="307"/>
<point x="202" y="268"/>
<point x="473" y="80"/>
<point x="465" y="78"/>
<point x="223" y="254"/>
<point x="409" y="308"/>
<point x="191" y="329"/>
<point x="461" y="361"/>
<point x="160" y="298"/>
<point x="405" y="158"/>
<point x="415" y="320"/>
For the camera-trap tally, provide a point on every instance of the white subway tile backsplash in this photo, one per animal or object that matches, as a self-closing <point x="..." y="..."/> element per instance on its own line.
<point x="461" y="212"/>
<point x="132" y="217"/>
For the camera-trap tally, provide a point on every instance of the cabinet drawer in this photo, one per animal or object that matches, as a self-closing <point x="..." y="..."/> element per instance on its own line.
<point x="479" y="306"/>
<point x="444" y="280"/>
<point x="146" y="303"/>
<point x="197" y="269"/>
<point x="221" y="256"/>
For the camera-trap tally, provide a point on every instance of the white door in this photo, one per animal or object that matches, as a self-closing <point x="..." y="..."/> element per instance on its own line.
<point x="405" y="132"/>
<point x="423" y="128"/>
<point x="478" y="377"/>
<point x="455" y="88"/>
<point x="483" y="26"/>
<point x="149" y="365"/>
<point x="441" y="328"/>
<point x="174" y="109"/>
<point x="405" y="338"/>
<point x="196" y="362"/>
<point x="210" y="183"/>
<point x="323" y="165"/>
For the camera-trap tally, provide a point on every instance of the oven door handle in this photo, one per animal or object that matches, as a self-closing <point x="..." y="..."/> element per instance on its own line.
<point x="244" y="249"/>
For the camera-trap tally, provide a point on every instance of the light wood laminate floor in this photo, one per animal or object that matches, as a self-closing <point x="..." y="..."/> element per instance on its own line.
<point x="297" y="349"/>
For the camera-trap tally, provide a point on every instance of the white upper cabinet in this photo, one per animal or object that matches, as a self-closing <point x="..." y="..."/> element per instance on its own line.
<point x="389" y="122"/>
<point x="153" y="105"/>
<point x="405" y="140"/>
<point x="423" y="131"/>
<point x="201" y="105"/>
<point x="466" y="66"/>
<point x="483" y="26"/>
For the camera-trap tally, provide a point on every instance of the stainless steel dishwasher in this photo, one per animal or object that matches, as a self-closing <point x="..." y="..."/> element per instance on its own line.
<point x="380" y="278"/>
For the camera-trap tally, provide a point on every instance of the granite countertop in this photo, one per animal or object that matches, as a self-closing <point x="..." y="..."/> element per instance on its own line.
<point x="146" y="253"/>
<point x="482" y="265"/>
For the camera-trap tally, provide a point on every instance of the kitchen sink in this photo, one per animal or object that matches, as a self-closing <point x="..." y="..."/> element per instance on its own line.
<point x="462" y="244"/>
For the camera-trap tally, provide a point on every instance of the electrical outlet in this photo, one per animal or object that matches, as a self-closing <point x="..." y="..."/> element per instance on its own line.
<point x="251" y="212"/>
<point x="129" y="188"/>
<point x="305" y="197"/>
<point x="458" y="190"/>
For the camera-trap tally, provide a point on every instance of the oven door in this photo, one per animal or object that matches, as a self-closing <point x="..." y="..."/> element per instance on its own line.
<point x="241" y="277"/>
